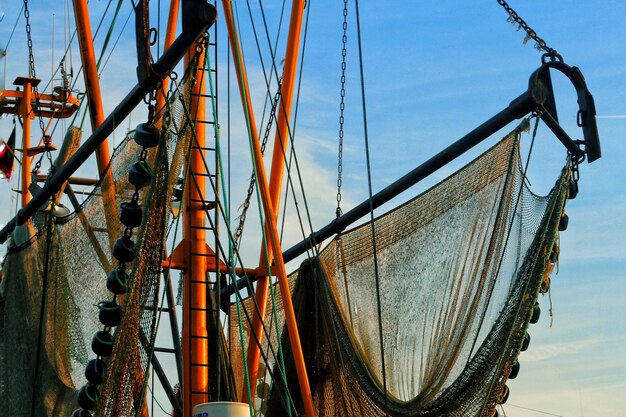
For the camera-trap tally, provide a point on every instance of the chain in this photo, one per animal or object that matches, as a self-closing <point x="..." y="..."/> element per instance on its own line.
<point x="342" y="105"/>
<point x="540" y="44"/>
<point x="574" y="176"/>
<point x="31" y="59"/>
<point x="268" y="128"/>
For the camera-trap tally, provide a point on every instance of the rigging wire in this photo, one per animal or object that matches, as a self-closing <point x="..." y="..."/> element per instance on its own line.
<point x="532" y="409"/>
<point x="371" y="204"/>
<point x="19" y="16"/>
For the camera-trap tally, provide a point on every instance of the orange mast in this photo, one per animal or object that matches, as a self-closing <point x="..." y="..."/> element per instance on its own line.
<point x="195" y="336"/>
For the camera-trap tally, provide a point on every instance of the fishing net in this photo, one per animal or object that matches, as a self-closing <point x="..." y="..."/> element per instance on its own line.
<point x="79" y="259"/>
<point x="460" y="267"/>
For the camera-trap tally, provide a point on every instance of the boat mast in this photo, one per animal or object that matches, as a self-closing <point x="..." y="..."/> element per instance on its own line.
<point x="195" y="336"/>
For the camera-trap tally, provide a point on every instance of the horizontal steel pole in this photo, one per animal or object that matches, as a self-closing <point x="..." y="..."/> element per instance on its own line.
<point x="72" y="180"/>
<point x="203" y="15"/>
<point x="518" y="108"/>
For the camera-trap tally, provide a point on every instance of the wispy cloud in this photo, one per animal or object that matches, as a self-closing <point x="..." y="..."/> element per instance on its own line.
<point x="546" y="352"/>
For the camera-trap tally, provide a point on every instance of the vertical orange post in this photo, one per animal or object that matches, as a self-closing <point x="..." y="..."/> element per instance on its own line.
<point x="170" y="35"/>
<point x="276" y="176"/>
<point x="268" y="208"/>
<point x="26" y="111"/>
<point x="195" y="342"/>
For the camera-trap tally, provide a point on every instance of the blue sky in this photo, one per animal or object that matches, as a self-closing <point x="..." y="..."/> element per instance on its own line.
<point x="434" y="71"/>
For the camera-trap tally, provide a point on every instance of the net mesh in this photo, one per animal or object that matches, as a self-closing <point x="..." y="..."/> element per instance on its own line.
<point x="80" y="258"/>
<point x="460" y="268"/>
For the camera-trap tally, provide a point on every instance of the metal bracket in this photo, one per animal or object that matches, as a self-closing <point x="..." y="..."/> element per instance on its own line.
<point x="586" y="117"/>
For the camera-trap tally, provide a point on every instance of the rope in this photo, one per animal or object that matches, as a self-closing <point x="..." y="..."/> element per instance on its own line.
<point x="371" y="204"/>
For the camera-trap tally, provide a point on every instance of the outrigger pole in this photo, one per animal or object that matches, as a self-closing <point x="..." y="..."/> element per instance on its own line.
<point x="96" y="112"/>
<point x="275" y="184"/>
<point x="539" y="96"/>
<point x="269" y="209"/>
<point x="199" y="17"/>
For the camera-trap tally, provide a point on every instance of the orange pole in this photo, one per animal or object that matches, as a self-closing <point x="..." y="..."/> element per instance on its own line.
<point x="170" y="34"/>
<point x="96" y="112"/>
<point x="26" y="111"/>
<point x="92" y="80"/>
<point x="268" y="208"/>
<point x="276" y="177"/>
<point x="195" y="342"/>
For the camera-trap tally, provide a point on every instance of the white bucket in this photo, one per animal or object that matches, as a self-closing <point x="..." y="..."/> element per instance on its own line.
<point x="221" y="409"/>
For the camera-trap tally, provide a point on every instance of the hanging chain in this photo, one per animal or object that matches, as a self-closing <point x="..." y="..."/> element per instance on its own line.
<point x="342" y="105"/>
<point x="31" y="59"/>
<point x="268" y="128"/>
<point x="574" y="176"/>
<point x="540" y="44"/>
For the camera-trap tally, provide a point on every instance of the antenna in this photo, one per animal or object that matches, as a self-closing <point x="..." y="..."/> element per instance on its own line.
<point x="3" y="56"/>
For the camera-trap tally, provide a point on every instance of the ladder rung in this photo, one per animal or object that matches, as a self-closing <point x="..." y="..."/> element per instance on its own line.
<point x="161" y="309"/>
<point x="202" y="174"/>
<point x="209" y="203"/>
<point x="206" y="122"/>
<point x="197" y="281"/>
<point x="203" y="309"/>
<point x="203" y="148"/>
<point x="205" y="95"/>
<point x="201" y="227"/>
<point x="164" y="350"/>
<point x="200" y="392"/>
<point x="207" y="255"/>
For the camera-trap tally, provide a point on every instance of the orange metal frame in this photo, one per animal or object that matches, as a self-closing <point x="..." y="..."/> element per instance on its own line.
<point x="21" y="103"/>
